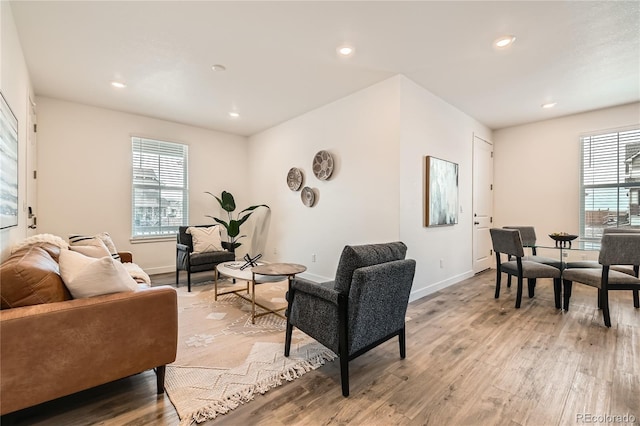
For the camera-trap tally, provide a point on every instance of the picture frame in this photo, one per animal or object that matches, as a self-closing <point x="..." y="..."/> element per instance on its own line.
<point x="8" y="166"/>
<point x="441" y="192"/>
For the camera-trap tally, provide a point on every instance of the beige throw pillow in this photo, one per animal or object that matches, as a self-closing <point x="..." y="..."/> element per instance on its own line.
<point x="92" y="247"/>
<point x="87" y="277"/>
<point x="205" y="239"/>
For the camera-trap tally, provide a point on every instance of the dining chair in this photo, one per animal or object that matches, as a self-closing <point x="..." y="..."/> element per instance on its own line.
<point x="616" y="249"/>
<point x="509" y="242"/>
<point x="528" y="236"/>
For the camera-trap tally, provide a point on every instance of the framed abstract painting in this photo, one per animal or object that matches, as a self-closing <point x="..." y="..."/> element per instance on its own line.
<point x="441" y="192"/>
<point x="8" y="166"/>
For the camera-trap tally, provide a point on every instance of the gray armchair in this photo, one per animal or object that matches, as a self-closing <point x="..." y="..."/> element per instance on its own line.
<point x="188" y="261"/>
<point x="617" y="249"/>
<point x="364" y="307"/>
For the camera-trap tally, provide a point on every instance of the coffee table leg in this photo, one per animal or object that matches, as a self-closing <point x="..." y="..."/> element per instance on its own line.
<point x="215" y="284"/>
<point x="253" y="298"/>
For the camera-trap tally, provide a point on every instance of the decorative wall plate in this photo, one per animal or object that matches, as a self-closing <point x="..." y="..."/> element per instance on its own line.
<point x="294" y="178"/>
<point x="308" y="196"/>
<point x="322" y="165"/>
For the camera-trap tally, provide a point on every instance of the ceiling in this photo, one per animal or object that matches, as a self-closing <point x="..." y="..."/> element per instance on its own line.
<point x="281" y="60"/>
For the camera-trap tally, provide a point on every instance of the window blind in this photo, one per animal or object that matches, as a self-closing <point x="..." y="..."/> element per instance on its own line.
<point x="610" y="182"/>
<point x="160" y="191"/>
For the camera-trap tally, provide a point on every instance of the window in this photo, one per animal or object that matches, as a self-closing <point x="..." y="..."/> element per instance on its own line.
<point x="160" y="190"/>
<point x="610" y="183"/>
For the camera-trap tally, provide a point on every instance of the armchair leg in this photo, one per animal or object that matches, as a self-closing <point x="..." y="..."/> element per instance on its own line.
<point x="636" y="299"/>
<point x="189" y="281"/>
<point x="160" y="378"/>
<point x="287" y="339"/>
<point x="498" y="277"/>
<point x="402" y="341"/>
<point x="344" y="372"/>
<point x="508" y="281"/>
<point x="177" y="277"/>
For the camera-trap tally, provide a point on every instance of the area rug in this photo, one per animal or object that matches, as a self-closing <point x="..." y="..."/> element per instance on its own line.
<point x="224" y="360"/>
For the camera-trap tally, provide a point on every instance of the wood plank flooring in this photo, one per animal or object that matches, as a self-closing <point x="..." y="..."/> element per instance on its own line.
<point x="471" y="360"/>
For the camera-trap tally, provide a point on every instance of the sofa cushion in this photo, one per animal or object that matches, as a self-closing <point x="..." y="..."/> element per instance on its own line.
<point x="87" y="277"/>
<point x="30" y="276"/>
<point x="205" y="239"/>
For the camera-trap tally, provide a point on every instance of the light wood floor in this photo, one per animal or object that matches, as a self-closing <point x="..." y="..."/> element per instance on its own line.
<point x="471" y="360"/>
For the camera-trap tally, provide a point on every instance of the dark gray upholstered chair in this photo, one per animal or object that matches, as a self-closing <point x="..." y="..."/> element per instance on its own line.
<point x="363" y="307"/>
<point x="528" y="236"/>
<point x="616" y="249"/>
<point x="188" y="261"/>
<point x="508" y="242"/>
<point x="627" y="269"/>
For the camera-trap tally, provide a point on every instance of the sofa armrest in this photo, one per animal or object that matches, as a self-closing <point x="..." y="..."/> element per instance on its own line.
<point x="126" y="256"/>
<point x="56" y="349"/>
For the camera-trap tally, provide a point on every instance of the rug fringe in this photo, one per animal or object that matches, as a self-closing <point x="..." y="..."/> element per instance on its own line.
<point x="231" y="402"/>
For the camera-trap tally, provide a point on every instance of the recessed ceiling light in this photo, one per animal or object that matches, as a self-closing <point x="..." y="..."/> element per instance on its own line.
<point x="504" y="41"/>
<point x="549" y="105"/>
<point x="234" y="114"/>
<point x="218" y="67"/>
<point x="118" y="84"/>
<point x="345" y="50"/>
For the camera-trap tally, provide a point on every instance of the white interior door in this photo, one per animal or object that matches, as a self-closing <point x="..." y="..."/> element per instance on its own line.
<point x="31" y="177"/>
<point x="482" y="204"/>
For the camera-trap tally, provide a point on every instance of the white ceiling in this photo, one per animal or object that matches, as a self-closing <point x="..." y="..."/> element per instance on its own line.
<point x="281" y="56"/>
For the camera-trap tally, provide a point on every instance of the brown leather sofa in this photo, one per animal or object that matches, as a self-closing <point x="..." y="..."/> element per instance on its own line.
<point x="55" y="346"/>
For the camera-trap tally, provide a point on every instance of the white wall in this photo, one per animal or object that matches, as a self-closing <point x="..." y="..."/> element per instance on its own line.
<point x="379" y="137"/>
<point x="84" y="173"/>
<point x="537" y="168"/>
<point x="430" y="126"/>
<point x="15" y="86"/>
<point x="358" y="204"/>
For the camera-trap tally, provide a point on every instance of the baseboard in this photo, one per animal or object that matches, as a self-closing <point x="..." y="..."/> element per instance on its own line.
<point x="313" y="277"/>
<point x="425" y="291"/>
<point x="160" y="270"/>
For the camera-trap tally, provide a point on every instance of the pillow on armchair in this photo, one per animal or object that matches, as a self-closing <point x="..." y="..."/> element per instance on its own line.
<point x="205" y="239"/>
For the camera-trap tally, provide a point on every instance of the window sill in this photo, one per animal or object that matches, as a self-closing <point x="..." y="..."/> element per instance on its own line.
<point x="143" y="240"/>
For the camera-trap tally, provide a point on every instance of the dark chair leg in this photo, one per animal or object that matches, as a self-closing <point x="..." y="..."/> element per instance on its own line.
<point x="402" y="342"/>
<point x="532" y="287"/>
<point x="599" y="299"/>
<point x="287" y="338"/>
<point x="636" y="299"/>
<point x="605" y="308"/>
<point x="567" y="293"/>
<point x="160" y="378"/>
<point x="519" y="293"/>
<point x="508" y="281"/>
<point x="344" y="371"/>
<point x="177" y="277"/>
<point x="498" y="277"/>
<point x="557" y="291"/>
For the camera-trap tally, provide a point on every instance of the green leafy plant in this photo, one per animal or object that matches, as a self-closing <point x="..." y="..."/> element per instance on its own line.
<point x="232" y="225"/>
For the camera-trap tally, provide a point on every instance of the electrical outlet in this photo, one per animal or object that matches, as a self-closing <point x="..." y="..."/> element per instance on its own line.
<point x="275" y="250"/>
<point x="313" y="257"/>
<point x="441" y="263"/>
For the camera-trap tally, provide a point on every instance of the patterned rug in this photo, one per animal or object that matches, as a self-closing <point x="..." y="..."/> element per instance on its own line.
<point x="224" y="360"/>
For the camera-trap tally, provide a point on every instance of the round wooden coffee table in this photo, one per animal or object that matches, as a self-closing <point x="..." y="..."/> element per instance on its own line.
<point x="266" y="272"/>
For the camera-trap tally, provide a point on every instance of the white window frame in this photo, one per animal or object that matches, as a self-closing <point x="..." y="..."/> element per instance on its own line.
<point x="609" y="181"/>
<point x="159" y="188"/>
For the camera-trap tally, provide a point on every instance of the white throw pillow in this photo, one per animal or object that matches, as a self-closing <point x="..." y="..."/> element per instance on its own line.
<point x="92" y="247"/>
<point x="205" y="238"/>
<point x="104" y="237"/>
<point x="87" y="277"/>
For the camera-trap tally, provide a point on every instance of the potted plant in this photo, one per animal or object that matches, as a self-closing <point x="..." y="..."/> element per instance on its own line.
<point x="232" y="226"/>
